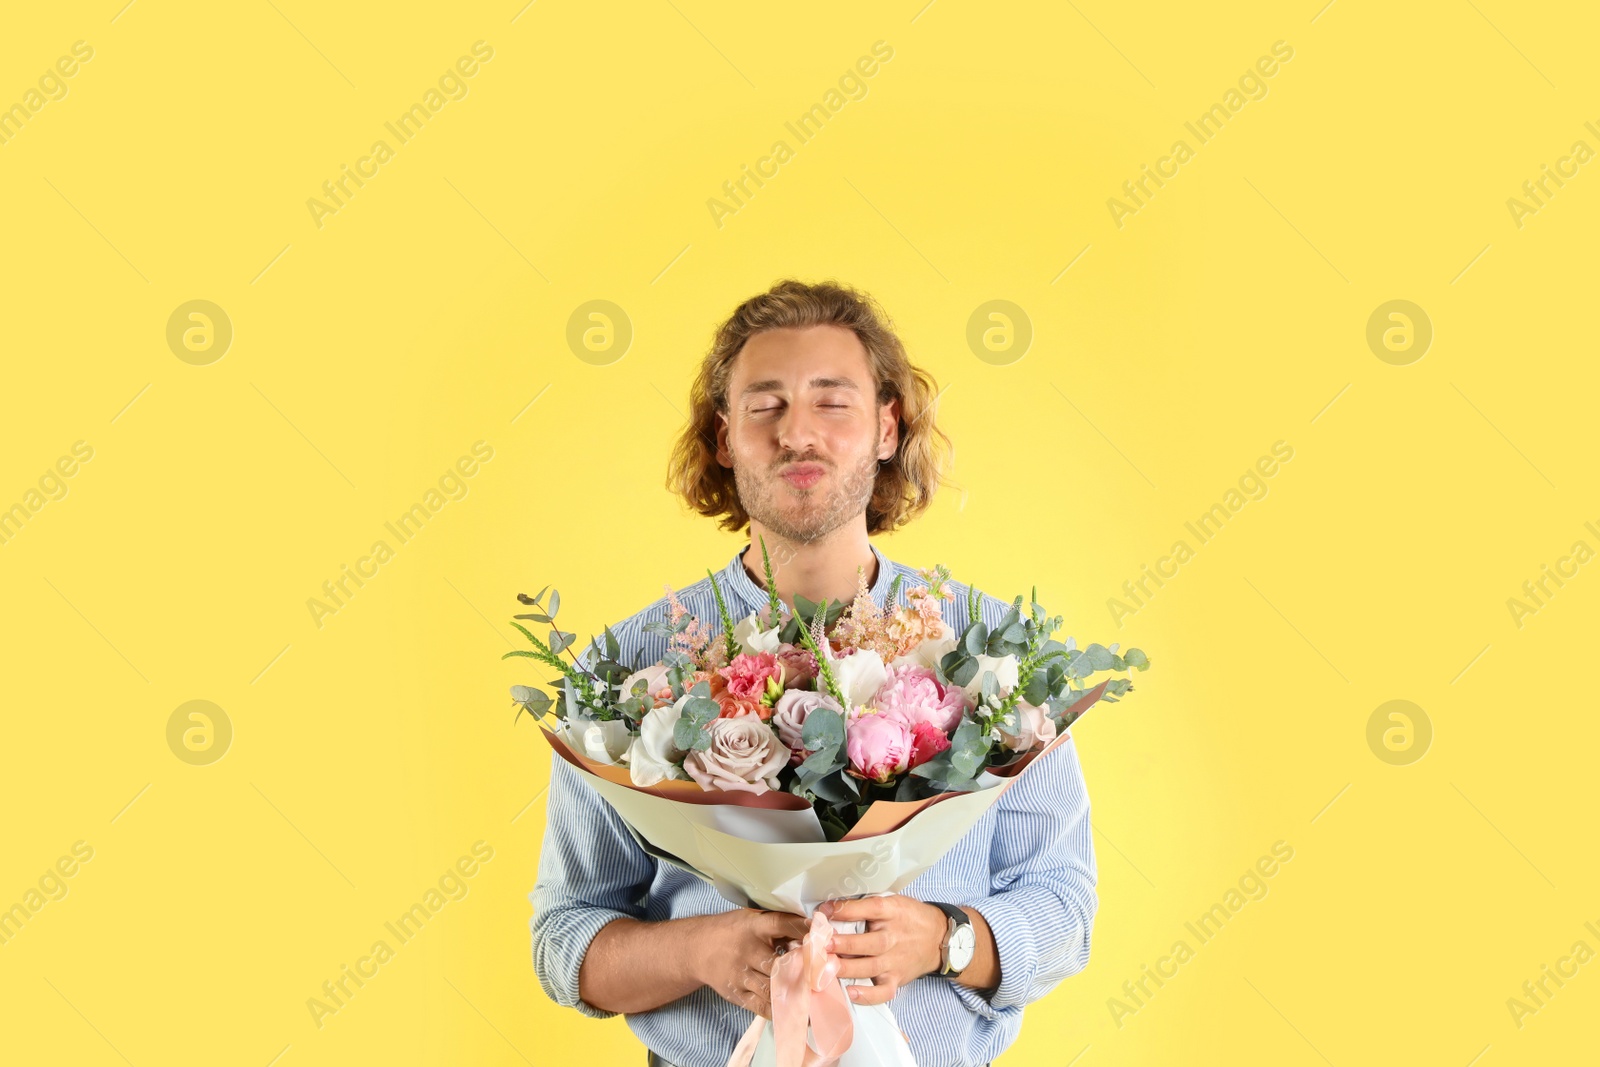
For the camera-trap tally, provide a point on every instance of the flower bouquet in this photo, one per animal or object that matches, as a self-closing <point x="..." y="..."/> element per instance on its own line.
<point x="787" y="758"/>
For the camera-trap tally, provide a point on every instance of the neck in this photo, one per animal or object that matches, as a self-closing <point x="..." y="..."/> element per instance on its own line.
<point x="816" y="569"/>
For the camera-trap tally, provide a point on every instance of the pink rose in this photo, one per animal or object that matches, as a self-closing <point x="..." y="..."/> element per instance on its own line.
<point x="748" y="673"/>
<point x="745" y="754"/>
<point x="913" y="694"/>
<point x="1036" y="728"/>
<point x="789" y="717"/>
<point x="877" y="746"/>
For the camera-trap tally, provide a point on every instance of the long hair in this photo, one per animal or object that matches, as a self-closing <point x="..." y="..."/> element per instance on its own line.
<point x="905" y="483"/>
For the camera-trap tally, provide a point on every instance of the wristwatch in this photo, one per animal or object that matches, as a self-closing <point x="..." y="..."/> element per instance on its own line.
<point x="959" y="941"/>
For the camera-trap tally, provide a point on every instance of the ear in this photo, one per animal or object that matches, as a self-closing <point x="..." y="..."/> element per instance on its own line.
<point x="724" y="453"/>
<point x="889" y="426"/>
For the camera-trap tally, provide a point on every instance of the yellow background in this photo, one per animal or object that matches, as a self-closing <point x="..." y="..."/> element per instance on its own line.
<point x="368" y="354"/>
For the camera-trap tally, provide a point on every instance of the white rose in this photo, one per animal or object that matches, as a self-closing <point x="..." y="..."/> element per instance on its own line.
<point x="653" y="758"/>
<point x="931" y="651"/>
<point x="605" y="741"/>
<point x="752" y="638"/>
<point x="860" y="675"/>
<point x="1005" y="674"/>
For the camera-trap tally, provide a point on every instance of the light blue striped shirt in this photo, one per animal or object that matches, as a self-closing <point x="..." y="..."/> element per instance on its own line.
<point x="1028" y="867"/>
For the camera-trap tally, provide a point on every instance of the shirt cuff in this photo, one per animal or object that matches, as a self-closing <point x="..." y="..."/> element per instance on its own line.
<point x="1019" y="947"/>
<point x="563" y="945"/>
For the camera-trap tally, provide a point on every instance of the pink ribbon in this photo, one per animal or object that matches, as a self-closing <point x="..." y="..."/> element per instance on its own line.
<point x="806" y="992"/>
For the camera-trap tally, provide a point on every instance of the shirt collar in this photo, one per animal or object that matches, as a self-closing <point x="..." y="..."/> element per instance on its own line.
<point x="737" y="580"/>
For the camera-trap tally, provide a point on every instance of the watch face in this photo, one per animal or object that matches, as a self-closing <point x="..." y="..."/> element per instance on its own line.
<point x="962" y="945"/>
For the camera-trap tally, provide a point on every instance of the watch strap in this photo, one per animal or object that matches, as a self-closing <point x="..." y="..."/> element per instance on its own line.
<point x="957" y="918"/>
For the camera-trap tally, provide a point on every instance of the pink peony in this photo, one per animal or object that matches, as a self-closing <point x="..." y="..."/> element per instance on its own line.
<point x="927" y="741"/>
<point x="745" y="754"/>
<point x="789" y="717"/>
<point x="748" y="673"/>
<point x="877" y="746"/>
<point x="913" y="694"/>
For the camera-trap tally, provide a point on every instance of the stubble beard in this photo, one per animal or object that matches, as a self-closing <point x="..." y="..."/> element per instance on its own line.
<point x="809" y="515"/>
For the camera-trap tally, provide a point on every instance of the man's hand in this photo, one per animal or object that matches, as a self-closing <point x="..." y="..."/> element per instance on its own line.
<point x="902" y="943"/>
<point x="735" y="950"/>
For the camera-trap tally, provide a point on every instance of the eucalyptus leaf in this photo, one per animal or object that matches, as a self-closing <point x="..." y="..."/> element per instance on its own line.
<point x="821" y="763"/>
<point x="1037" y="691"/>
<point x="823" y="731"/>
<point x="689" y="733"/>
<point x="968" y="748"/>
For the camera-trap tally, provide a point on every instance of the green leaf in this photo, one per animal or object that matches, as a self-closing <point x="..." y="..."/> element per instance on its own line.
<point x="968" y="748"/>
<point x="958" y="668"/>
<point x="1037" y="691"/>
<point x="533" y="617"/>
<point x="832" y="825"/>
<point x="535" y="700"/>
<point x="937" y="768"/>
<point x="823" y="731"/>
<point x="523" y="630"/>
<point x="836" y="788"/>
<point x="555" y="603"/>
<point x="1136" y="658"/>
<point x="821" y="763"/>
<point x="689" y="732"/>
<point x="976" y="640"/>
<point x="613" y="648"/>
<point x="524" y="654"/>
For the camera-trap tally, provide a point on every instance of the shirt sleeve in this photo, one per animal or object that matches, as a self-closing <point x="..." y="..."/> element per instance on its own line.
<point x="1042" y="902"/>
<point x="591" y="871"/>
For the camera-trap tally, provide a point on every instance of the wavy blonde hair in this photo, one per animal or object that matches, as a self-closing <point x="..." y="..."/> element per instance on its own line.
<point x="905" y="483"/>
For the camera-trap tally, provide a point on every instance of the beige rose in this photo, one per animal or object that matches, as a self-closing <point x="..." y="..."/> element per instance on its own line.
<point x="744" y="754"/>
<point x="1035" y="728"/>
<point x="789" y="716"/>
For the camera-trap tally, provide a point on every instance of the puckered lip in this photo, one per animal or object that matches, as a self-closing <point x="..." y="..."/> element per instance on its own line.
<point x="804" y="468"/>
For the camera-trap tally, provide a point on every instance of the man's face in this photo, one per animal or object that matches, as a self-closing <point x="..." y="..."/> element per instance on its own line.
<point x="804" y="431"/>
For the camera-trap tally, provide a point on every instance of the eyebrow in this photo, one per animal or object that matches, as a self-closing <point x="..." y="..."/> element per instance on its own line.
<point x="771" y="384"/>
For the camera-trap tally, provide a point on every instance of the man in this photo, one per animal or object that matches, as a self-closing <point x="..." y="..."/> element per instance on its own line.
<point x="810" y="426"/>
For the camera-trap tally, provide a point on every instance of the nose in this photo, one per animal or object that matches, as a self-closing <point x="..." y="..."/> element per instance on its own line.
<point x="798" y="430"/>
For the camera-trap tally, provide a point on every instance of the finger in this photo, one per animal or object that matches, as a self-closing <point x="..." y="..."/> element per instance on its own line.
<point x="860" y="908"/>
<point x="871" y="943"/>
<point x="758" y="993"/>
<point x="780" y="924"/>
<point x="877" y="993"/>
<point x="864" y="967"/>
